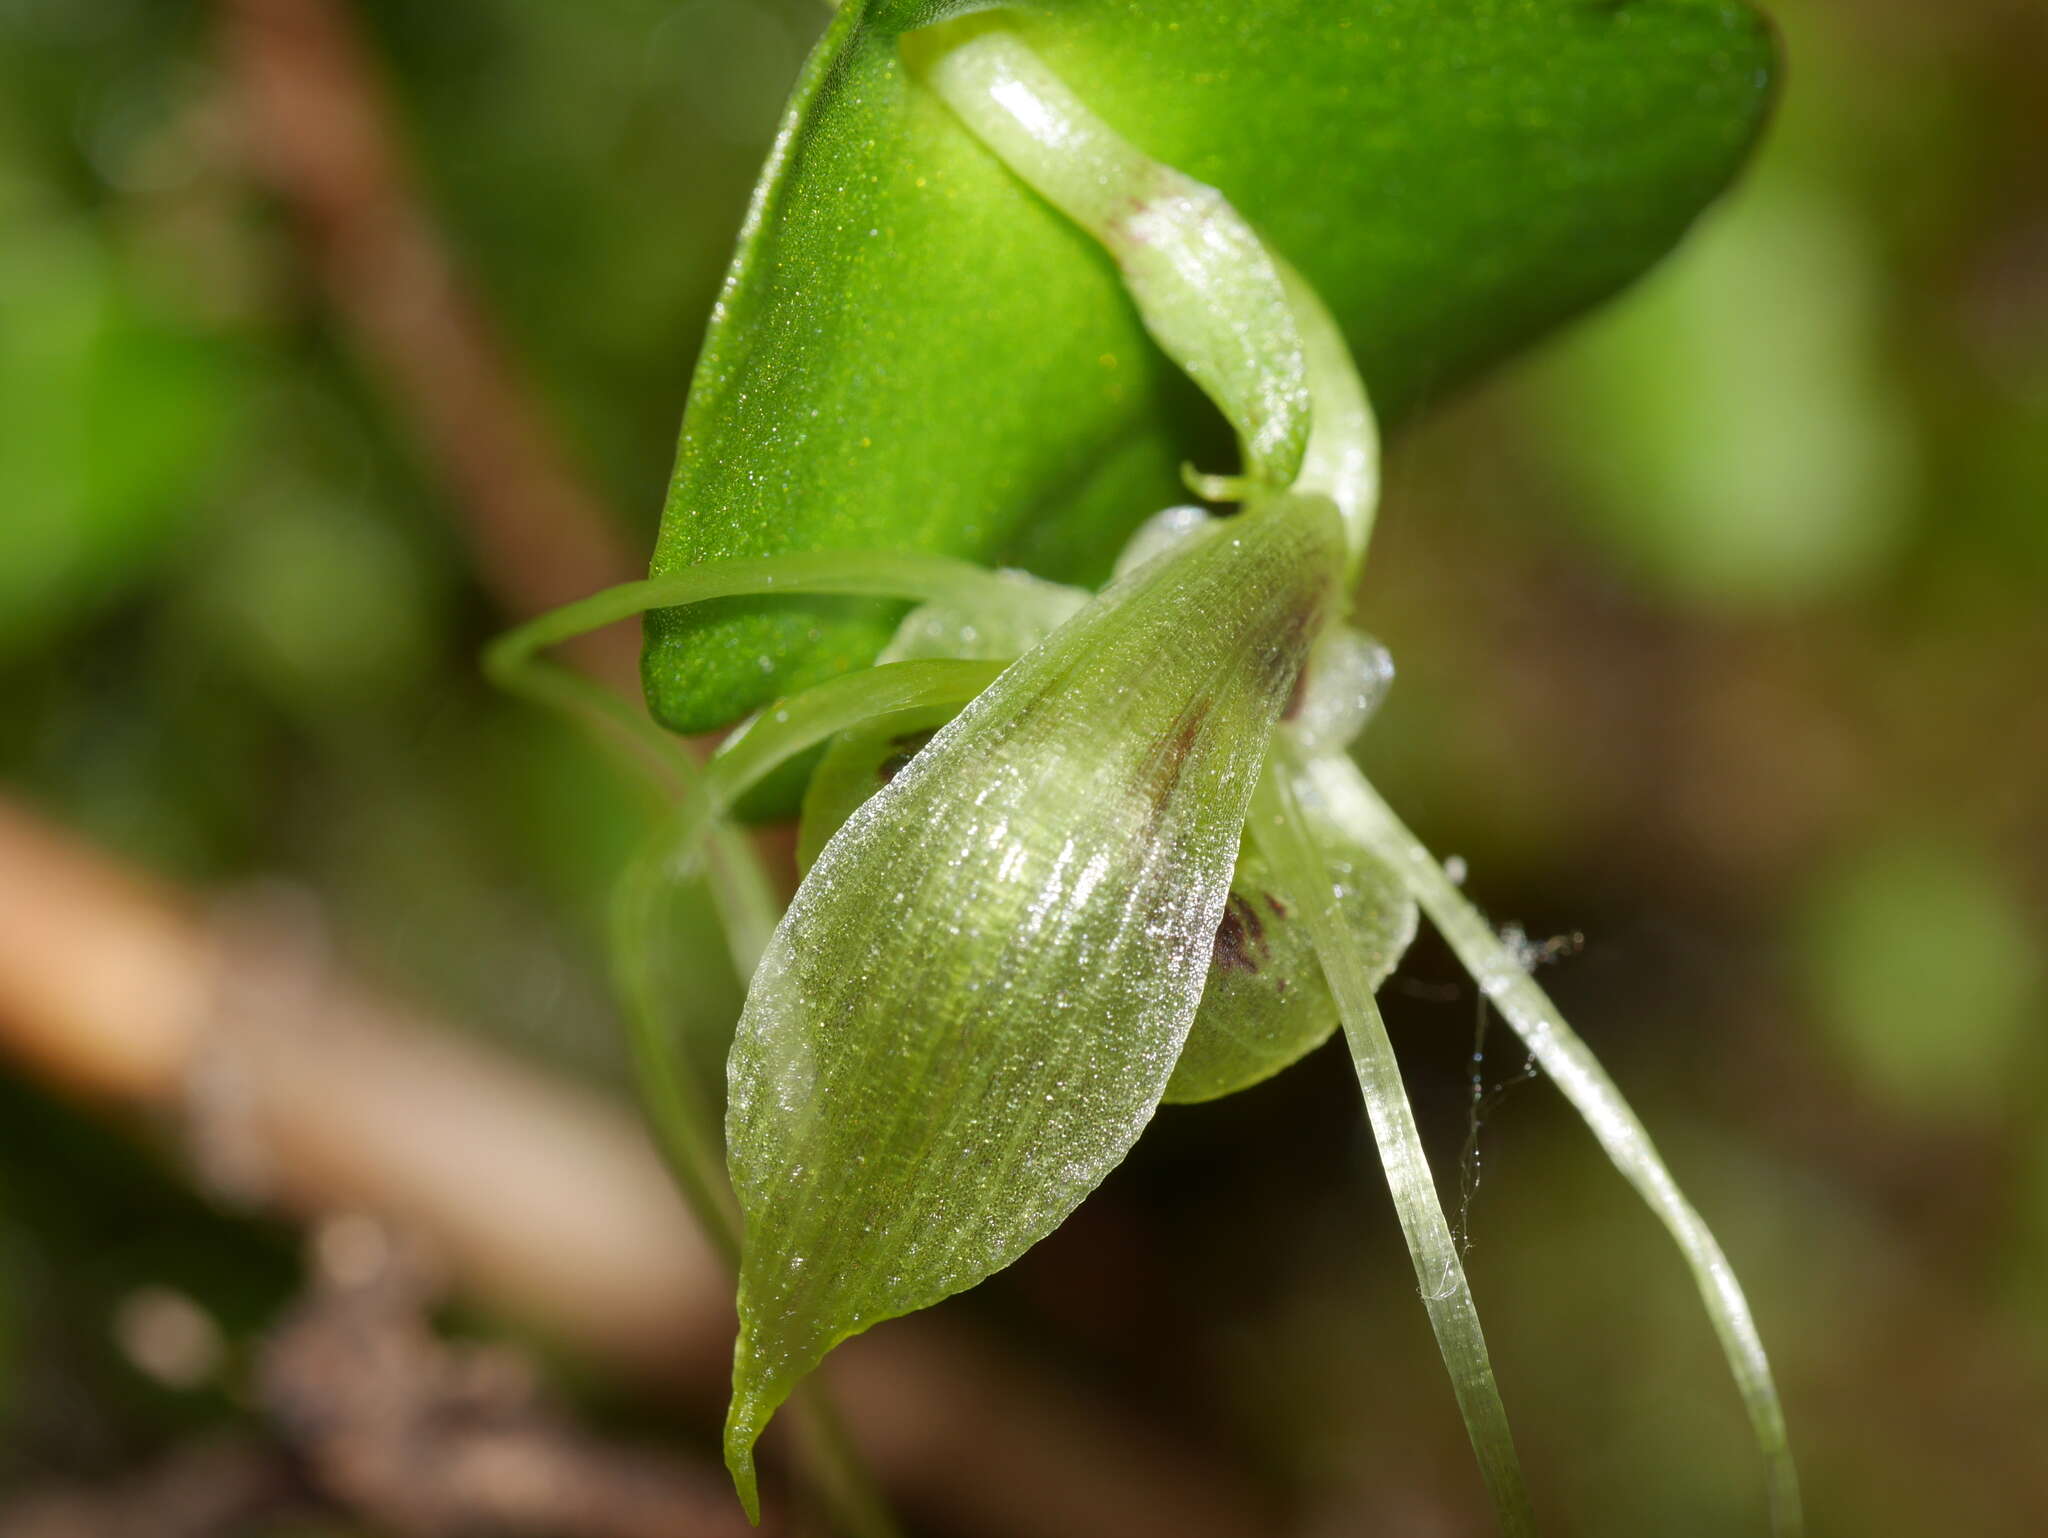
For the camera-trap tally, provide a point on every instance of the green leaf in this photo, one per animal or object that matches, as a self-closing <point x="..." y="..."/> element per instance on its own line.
<point x="914" y="351"/>
<point x="975" y="1001"/>
<point x="113" y="417"/>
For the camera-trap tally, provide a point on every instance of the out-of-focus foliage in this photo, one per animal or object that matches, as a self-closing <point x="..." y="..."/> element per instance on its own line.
<point x="115" y="417"/>
<point x="1740" y="438"/>
<point x="1720" y="629"/>
<point x="1928" y="977"/>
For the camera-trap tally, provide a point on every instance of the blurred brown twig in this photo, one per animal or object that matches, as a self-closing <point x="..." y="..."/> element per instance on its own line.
<point x="319" y="128"/>
<point x="292" y="1087"/>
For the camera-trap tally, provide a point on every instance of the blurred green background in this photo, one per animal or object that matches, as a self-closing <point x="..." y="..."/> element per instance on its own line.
<point x="1722" y="633"/>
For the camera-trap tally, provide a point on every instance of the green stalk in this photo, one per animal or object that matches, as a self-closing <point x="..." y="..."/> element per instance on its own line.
<point x="837" y="573"/>
<point x="1350" y="800"/>
<point x="803" y="720"/>
<point x="1284" y="838"/>
<point x="745" y="896"/>
<point x="1342" y="460"/>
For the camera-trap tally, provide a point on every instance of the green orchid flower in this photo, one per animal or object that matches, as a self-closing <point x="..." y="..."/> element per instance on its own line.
<point x="1069" y="856"/>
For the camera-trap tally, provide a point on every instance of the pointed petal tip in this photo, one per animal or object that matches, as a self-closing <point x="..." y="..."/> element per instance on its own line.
<point x="743" y="1425"/>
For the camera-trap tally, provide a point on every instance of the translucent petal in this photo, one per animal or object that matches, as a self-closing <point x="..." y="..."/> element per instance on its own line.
<point x="1267" y="1005"/>
<point x="861" y="761"/>
<point x="857" y="765"/>
<point x="1161" y="533"/>
<point x="973" y="1005"/>
<point x="1036" y="609"/>
<point x="1348" y="675"/>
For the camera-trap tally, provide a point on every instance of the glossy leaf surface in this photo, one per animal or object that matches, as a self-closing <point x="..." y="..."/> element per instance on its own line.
<point x="974" y="1003"/>
<point x="914" y="351"/>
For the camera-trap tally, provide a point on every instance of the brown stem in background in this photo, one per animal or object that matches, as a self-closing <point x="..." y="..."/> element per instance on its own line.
<point x="319" y="127"/>
<point x="292" y="1087"/>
